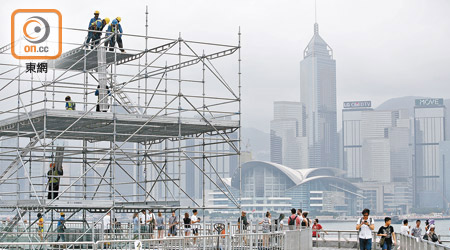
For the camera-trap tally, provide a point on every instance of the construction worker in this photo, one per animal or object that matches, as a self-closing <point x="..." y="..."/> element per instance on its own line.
<point x="98" y="25"/>
<point x="40" y="226"/>
<point x="97" y="93"/>
<point x="53" y="181"/>
<point x="60" y="228"/>
<point x="69" y="104"/>
<point x="115" y="27"/>
<point x="91" y="34"/>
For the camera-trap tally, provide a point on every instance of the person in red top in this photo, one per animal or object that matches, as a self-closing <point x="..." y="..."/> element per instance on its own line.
<point x="316" y="228"/>
<point x="294" y="220"/>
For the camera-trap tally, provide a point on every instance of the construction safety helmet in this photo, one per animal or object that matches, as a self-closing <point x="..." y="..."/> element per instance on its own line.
<point x="97" y="12"/>
<point x="62" y="214"/>
<point x="106" y="20"/>
<point x="118" y="18"/>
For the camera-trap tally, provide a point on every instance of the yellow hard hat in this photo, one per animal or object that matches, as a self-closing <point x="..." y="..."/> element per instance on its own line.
<point x="106" y="20"/>
<point x="97" y="12"/>
<point x="118" y="18"/>
<point x="61" y="213"/>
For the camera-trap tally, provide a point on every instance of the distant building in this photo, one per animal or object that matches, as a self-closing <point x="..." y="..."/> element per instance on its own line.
<point x="288" y="142"/>
<point x="429" y="131"/>
<point x="318" y="93"/>
<point x="444" y="175"/>
<point x="273" y="187"/>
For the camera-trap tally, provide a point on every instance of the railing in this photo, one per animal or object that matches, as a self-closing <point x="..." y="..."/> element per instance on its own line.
<point x="282" y="240"/>
<point x="408" y="242"/>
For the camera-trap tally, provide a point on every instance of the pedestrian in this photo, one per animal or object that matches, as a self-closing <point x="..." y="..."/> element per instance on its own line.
<point x="113" y="28"/>
<point x="61" y="227"/>
<point x="107" y="225"/>
<point x="143" y="221"/>
<point x="405" y="228"/>
<point x="299" y="213"/>
<point x="70" y="105"/>
<point x="53" y="180"/>
<point x="136" y="225"/>
<point x="187" y="224"/>
<point x="117" y="228"/>
<point x="305" y="220"/>
<point x="40" y="226"/>
<point x="160" y="225"/>
<point x="387" y="235"/>
<point x="294" y="220"/>
<point x="365" y="225"/>
<point x="173" y="222"/>
<point x="151" y="223"/>
<point x="244" y="220"/>
<point x="266" y="223"/>
<point x="316" y="227"/>
<point x="431" y="235"/>
<point x="280" y="222"/>
<point x="416" y="231"/>
<point x="194" y="220"/>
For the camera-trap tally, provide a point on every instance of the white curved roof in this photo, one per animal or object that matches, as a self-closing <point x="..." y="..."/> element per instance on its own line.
<point x="298" y="176"/>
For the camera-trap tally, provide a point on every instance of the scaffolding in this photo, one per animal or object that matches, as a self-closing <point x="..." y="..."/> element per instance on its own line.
<point x="140" y="118"/>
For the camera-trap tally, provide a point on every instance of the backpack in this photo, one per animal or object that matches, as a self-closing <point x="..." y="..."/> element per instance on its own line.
<point x="292" y="221"/>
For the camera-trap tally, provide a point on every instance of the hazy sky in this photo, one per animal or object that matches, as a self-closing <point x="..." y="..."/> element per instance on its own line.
<point x="383" y="48"/>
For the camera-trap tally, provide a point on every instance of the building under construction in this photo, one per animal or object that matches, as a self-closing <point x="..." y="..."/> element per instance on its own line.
<point x="141" y="118"/>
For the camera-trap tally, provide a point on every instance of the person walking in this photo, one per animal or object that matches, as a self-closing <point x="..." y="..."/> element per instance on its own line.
<point x="316" y="227"/>
<point x="151" y="223"/>
<point x="143" y="223"/>
<point x="365" y="225"/>
<point x="266" y="223"/>
<point x="173" y="222"/>
<point x="244" y="221"/>
<point x="294" y="220"/>
<point x="416" y="231"/>
<point x="60" y="228"/>
<point x="387" y="235"/>
<point x="135" y="226"/>
<point x="195" y="221"/>
<point x="187" y="224"/>
<point x="160" y="225"/>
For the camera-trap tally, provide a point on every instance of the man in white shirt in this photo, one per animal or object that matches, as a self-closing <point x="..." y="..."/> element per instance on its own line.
<point x="196" y="223"/>
<point x="405" y="228"/>
<point x="365" y="225"/>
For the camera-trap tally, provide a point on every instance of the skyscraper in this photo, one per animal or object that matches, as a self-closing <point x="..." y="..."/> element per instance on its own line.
<point x="429" y="131"/>
<point x="288" y="144"/>
<point x="318" y="94"/>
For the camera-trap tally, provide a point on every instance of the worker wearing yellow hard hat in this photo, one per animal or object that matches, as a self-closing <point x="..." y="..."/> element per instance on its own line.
<point x="92" y="35"/>
<point x="115" y="27"/>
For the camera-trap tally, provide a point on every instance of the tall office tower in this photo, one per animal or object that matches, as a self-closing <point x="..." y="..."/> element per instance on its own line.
<point x="318" y="93"/>
<point x="429" y="131"/>
<point x="351" y="137"/>
<point x="288" y="142"/>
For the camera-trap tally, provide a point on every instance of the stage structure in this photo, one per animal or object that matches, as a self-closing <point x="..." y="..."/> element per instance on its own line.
<point x="140" y="118"/>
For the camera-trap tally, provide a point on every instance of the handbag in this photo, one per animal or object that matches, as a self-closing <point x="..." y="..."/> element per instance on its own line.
<point x="382" y="241"/>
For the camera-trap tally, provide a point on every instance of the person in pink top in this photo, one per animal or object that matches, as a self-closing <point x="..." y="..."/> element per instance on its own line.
<point x="294" y="220"/>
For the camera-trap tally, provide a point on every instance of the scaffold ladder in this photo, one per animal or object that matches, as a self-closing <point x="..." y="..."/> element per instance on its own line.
<point x="123" y="98"/>
<point x="5" y="175"/>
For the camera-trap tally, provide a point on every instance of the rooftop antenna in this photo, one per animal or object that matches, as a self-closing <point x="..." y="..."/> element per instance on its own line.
<point x="316" y="26"/>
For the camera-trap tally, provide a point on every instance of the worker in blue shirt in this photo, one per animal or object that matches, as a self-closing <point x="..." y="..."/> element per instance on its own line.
<point x="113" y="28"/>
<point x="91" y="34"/>
<point x="98" y="25"/>
<point x="70" y="105"/>
<point x="60" y="228"/>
